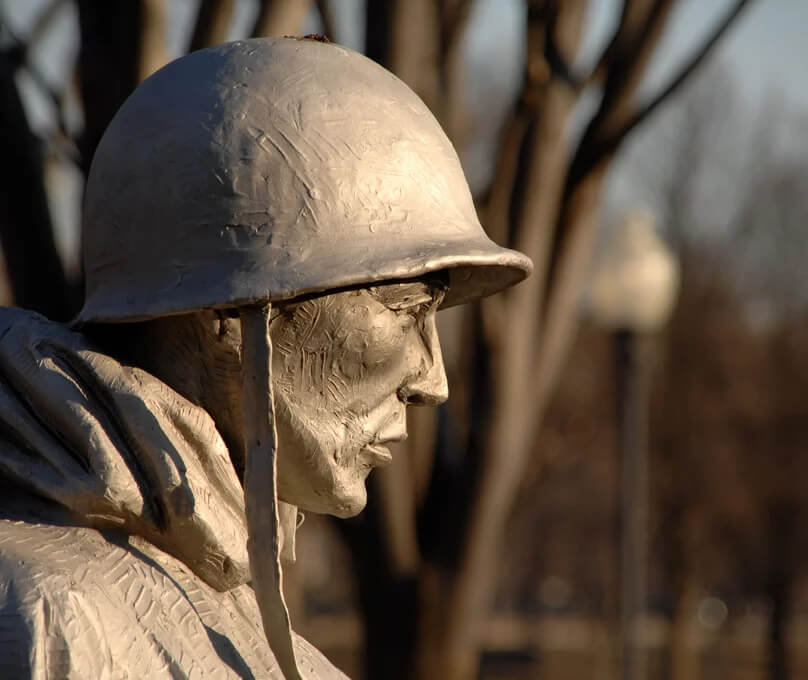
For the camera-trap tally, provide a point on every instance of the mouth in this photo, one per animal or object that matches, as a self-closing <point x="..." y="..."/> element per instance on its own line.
<point x="379" y="456"/>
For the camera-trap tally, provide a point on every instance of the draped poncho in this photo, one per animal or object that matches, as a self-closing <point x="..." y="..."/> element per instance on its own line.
<point x="122" y="529"/>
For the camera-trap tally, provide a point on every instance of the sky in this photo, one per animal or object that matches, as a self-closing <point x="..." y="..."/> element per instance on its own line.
<point x="766" y="52"/>
<point x="767" y="48"/>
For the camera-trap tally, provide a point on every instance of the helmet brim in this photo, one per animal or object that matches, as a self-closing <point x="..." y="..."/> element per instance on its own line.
<point x="476" y="268"/>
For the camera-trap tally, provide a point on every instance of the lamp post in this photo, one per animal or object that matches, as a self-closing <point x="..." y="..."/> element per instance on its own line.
<point x="634" y="286"/>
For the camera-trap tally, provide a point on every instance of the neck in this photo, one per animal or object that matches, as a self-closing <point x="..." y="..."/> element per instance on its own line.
<point x="194" y="354"/>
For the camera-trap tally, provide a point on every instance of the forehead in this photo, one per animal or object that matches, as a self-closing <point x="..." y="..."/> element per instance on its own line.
<point x="409" y="293"/>
<point x="396" y="294"/>
<point x="402" y="294"/>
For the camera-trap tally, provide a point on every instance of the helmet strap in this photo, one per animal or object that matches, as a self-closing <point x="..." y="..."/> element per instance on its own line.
<point x="260" y="475"/>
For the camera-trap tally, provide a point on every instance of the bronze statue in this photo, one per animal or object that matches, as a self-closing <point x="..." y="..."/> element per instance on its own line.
<point x="270" y="227"/>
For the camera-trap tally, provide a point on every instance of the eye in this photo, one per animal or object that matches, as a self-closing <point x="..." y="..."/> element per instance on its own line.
<point x="407" y="317"/>
<point x="409" y="302"/>
<point x="414" y="312"/>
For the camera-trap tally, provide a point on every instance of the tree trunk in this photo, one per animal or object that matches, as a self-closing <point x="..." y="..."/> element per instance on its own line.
<point x="280" y="17"/>
<point x="517" y="397"/>
<point x="684" y="662"/>
<point x="779" y="597"/>
<point x="212" y="23"/>
<point x="545" y="202"/>
<point x="35" y="270"/>
<point x="108" y="65"/>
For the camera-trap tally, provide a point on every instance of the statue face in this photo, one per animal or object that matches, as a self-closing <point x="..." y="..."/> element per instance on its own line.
<point x="344" y="368"/>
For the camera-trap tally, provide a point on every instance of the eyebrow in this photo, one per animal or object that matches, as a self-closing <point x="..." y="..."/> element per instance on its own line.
<point x="406" y="295"/>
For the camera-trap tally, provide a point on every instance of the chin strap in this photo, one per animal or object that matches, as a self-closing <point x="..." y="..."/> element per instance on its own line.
<point x="261" y="487"/>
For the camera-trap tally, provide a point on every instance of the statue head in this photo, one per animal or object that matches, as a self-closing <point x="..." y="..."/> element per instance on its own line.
<point x="305" y="175"/>
<point x="304" y="179"/>
<point x="345" y="365"/>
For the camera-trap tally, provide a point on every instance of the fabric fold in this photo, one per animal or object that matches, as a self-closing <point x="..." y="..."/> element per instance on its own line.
<point x="118" y="448"/>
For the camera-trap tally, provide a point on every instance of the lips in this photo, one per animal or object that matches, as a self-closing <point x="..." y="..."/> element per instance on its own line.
<point x="379" y="455"/>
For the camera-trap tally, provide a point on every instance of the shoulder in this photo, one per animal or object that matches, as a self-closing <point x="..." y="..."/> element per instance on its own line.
<point x="78" y="603"/>
<point x="75" y="604"/>
<point x="22" y="328"/>
<point x="48" y="627"/>
<point x="37" y="549"/>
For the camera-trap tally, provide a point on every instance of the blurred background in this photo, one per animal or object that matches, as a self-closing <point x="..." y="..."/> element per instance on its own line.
<point x="615" y="488"/>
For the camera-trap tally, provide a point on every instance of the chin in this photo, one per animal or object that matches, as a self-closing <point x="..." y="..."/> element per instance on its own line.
<point x="341" y="501"/>
<point x="311" y="477"/>
<point x="349" y="494"/>
<point x="346" y="502"/>
<point x="351" y="509"/>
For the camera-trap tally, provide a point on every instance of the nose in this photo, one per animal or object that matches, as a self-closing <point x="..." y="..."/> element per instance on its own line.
<point x="428" y="388"/>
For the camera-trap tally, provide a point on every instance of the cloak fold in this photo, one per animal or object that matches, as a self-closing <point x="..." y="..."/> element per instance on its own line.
<point x="117" y="448"/>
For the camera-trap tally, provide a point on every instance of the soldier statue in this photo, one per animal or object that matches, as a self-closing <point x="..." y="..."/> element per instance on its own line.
<point x="269" y="228"/>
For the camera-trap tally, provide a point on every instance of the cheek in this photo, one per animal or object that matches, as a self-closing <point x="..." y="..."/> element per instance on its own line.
<point x="348" y="360"/>
<point x="378" y="349"/>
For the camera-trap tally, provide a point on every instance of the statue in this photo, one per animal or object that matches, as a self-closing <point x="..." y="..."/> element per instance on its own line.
<point x="270" y="227"/>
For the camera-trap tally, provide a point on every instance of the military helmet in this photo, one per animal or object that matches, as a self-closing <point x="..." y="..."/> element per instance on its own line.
<point x="267" y="169"/>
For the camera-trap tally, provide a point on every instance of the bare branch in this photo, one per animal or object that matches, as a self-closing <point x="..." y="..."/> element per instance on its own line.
<point x="414" y="48"/>
<point x="645" y="23"/>
<point x="631" y="36"/>
<point x="452" y="20"/>
<point x="40" y="27"/>
<point x="546" y="96"/>
<point x="576" y="221"/>
<point x="108" y="65"/>
<point x="35" y="271"/>
<point x="634" y="32"/>
<point x="698" y="57"/>
<point x="280" y="17"/>
<point x="327" y="19"/>
<point x="615" y="119"/>
<point x="454" y="15"/>
<point x="43" y="21"/>
<point x="641" y="27"/>
<point x="18" y="56"/>
<point x="554" y="57"/>
<point x="212" y="23"/>
<point x="607" y="56"/>
<point x="378" y="20"/>
<point x="152" y="41"/>
<point x="23" y="47"/>
<point x="497" y="213"/>
<point x="639" y="36"/>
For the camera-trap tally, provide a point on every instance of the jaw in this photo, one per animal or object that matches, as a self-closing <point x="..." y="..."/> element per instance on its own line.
<point x="320" y="468"/>
<point x="342" y="494"/>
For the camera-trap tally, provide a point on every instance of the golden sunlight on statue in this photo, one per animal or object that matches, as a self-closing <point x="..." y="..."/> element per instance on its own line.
<point x="270" y="228"/>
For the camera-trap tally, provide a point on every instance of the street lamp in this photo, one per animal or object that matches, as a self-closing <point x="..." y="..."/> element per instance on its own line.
<point x="634" y="287"/>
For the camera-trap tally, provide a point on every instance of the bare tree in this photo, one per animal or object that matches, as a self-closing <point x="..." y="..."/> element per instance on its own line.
<point x="432" y="549"/>
<point x="726" y="424"/>
<point x="544" y="200"/>
<point x="280" y="17"/>
<point x="25" y="223"/>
